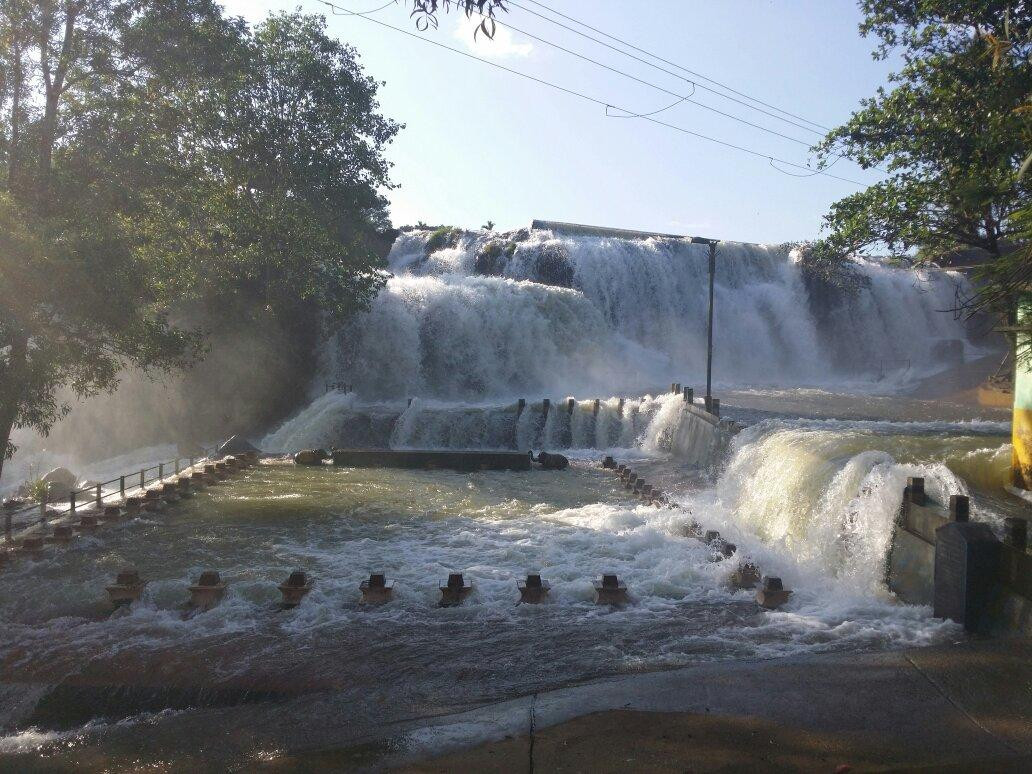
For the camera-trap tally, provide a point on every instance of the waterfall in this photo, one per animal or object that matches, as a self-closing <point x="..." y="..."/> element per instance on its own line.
<point x="482" y="315"/>
<point x="663" y="425"/>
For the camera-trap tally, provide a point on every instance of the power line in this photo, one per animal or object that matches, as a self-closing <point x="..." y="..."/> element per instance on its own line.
<point x="657" y="87"/>
<point x="695" y="84"/>
<point x="586" y="97"/>
<point x="672" y="64"/>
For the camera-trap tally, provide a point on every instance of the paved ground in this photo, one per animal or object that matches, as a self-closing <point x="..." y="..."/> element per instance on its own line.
<point x="960" y="708"/>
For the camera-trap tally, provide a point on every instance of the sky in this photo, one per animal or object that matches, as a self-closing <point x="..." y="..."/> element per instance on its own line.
<point x="481" y="144"/>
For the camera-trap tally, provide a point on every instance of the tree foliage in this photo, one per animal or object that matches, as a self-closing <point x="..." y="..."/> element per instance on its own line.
<point x="154" y="153"/>
<point x="948" y="132"/>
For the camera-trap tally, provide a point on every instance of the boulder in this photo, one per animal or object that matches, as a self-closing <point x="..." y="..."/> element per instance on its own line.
<point x="310" y="457"/>
<point x="61" y="477"/>
<point x="59" y="483"/>
<point x="552" y="461"/>
<point x="237" y="445"/>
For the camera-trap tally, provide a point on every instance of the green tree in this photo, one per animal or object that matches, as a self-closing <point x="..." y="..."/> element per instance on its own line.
<point x="161" y="157"/>
<point x="947" y="132"/>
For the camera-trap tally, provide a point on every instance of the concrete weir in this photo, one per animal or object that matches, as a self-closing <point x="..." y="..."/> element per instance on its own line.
<point x="462" y="461"/>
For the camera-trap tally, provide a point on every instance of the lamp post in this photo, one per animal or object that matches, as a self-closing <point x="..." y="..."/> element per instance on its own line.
<point x="709" y="324"/>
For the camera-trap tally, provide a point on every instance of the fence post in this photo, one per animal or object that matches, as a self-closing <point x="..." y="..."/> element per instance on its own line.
<point x="100" y="499"/>
<point x="7" y="527"/>
<point x="143" y="483"/>
<point x="121" y="486"/>
<point x="71" y="505"/>
<point x="176" y="471"/>
<point x="191" y="463"/>
<point x="161" y="471"/>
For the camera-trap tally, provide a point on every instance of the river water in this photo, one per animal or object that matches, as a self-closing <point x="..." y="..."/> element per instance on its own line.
<point x="804" y="475"/>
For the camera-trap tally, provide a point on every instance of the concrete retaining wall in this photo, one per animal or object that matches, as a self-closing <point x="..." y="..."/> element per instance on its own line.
<point x="988" y="581"/>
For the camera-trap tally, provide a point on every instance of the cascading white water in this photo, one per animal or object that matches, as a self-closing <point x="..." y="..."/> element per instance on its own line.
<point x="660" y="425"/>
<point x="818" y="499"/>
<point x="531" y="313"/>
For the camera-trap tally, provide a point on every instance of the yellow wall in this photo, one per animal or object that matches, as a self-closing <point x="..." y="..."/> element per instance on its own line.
<point x="1023" y="404"/>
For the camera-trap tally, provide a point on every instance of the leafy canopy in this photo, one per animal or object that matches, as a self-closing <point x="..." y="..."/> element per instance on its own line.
<point x="158" y="158"/>
<point x="949" y="132"/>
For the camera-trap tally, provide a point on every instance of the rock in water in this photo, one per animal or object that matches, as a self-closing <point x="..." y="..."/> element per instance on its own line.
<point x="552" y="461"/>
<point x="310" y="457"/>
<point x="237" y="445"/>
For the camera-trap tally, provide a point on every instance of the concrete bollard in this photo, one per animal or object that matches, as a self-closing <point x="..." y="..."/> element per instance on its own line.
<point x="127" y="588"/>
<point x="1016" y="533"/>
<point x="621" y="468"/>
<point x="377" y="590"/>
<point x="610" y="591"/>
<point x="960" y="508"/>
<point x="595" y="407"/>
<point x="152" y="501"/>
<point x="646" y="492"/>
<point x="521" y="404"/>
<point x="619" y="407"/>
<point x="916" y="490"/>
<point x="113" y="513"/>
<point x="132" y="506"/>
<point x="571" y="404"/>
<point x="170" y="493"/>
<point x="455" y="591"/>
<point x="533" y="590"/>
<point x="608" y="463"/>
<point x="745" y="576"/>
<point x="294" y="589"/>
<point x="62" y="535"/>
<point x="772" y="594"/>
<point x="546" y="404"/>
<point x="208" y="591"/>
<point x="197" y="479"/>
<point x="673" y="386"/>
<point x="87" y="523"/>
<point x="689" y="395"/>
<point x="221" y="471"/>
<point x="725" y="550"/>
<point x="31" y="547"/>
<point x="185" y="490"/>
<point x="211" y="475"/>
<point x="965" y="572"/>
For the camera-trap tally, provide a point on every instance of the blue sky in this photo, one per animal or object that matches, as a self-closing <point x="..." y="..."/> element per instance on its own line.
<point x="483" y="144"/>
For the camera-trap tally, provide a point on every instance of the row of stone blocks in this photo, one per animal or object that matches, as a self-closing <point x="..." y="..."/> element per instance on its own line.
<point x="151" y="501"/>
<point x="770" y="591"/>
<point x="209" y="589"/>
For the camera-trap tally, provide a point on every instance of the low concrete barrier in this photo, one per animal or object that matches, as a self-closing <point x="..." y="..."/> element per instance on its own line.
<point x="958" y="567"/>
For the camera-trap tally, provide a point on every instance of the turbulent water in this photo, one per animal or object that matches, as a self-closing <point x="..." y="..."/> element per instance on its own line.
<point x="465" y="333"/>
<point x="533" y="313"/>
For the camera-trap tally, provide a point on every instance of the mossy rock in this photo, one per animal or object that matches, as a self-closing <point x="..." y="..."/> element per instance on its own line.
<point x="440" y="238"/>
<point x="492" y="256"/>
<point x="553" y="267"/>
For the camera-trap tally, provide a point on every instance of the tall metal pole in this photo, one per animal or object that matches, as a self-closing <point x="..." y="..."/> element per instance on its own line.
<point x="709" y="327"/>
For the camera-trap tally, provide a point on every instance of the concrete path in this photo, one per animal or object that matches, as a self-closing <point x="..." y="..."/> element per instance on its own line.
<point x="966" y="707"/>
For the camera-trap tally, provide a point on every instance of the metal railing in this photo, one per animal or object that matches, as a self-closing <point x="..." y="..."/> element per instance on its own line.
<point x="96" y="493"/>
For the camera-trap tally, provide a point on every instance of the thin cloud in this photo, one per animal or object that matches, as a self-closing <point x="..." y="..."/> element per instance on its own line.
<point x="501" y="46"/>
